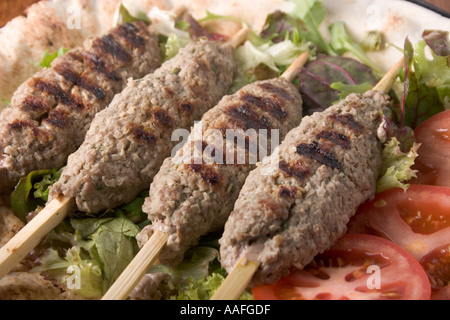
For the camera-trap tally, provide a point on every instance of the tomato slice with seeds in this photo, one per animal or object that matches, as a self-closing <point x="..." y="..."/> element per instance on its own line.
<point x="357" y="267"/>
<point x="433" y="163"/>
<point x="418" y="220"/>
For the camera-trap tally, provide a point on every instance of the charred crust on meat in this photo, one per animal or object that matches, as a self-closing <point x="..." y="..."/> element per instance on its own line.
<point x="67" y="72"/>
<point x="163" y="117"/>
<point x="55" y="90"/>
<point x="348" y="121"/>
<point x="270" y="105"/>
<point x="128" y="31"/>
<point x="108" y="45"/>
<point x="143" y="135"/>
<point x="35" y="104"/>
<point x="207" y="173"/>
<point x="23" y="124"/>
<point x="19" y="124"/>
<point x="57" y="118"/>
<point x="285" y="192"/>
<point x="335" y="138"/>
<point x="276" y="90"/>
<point x="71" y="75"/>
<point x="247" y="118"/>
<point x="186" y="108"/>
<point x="76" y="56"/>
<point x="314" y="152"/>
<point x="98" y="64"/>
<point x="86" y="84"/>
<point x="297" y="171"/>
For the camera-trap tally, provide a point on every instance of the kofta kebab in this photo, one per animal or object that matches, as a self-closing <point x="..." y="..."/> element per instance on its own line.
<point x="194" y="193"/>
<point x="323" y="170"/>
<point x="132" y="136"/>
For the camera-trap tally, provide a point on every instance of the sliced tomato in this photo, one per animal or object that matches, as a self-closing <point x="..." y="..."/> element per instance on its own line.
<point x="433" y="162"/>
<point x="357" y="267"/>
<point x="418" y="220"/>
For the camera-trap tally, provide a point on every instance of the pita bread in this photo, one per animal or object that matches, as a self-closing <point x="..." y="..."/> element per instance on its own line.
<point x="25" y="39"/>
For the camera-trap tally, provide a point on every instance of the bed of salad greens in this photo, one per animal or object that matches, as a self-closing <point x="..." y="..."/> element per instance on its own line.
<point x="102" y="247"/>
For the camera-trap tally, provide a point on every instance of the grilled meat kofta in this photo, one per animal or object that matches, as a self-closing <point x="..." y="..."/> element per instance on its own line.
<point x="194" y="192"/>
<point x="297" y="204"/>
<point x="51" y="112"/>
<point x="129" y="140"/>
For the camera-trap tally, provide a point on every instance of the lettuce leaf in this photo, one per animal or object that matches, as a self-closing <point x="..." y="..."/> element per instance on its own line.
<point x="173" y="44"/>
<point x="124" y="16"/>
<point x="48" y="57"/>
<point x="346" y="89"/>
<point x="396" y="169"/>
<point x="32" y="191"/>
<point x="340" y="41"/>
<point x="426" y="84"/>
<point x="96" y="250"/>
<point x="198" y="276"/>
<point x="312" y="13"/>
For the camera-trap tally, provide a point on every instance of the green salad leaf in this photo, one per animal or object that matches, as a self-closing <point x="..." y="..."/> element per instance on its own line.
<point x="396" y="169"/>
<point x="48" y="57"/>
<point x="97" y="250"/>
<point x="341" y="43"/>
<point x="346" y="89"/>
<point x="32" y="191"/>
<point x="426" y="84"/>
<point x="312" y="13"/>
<point x="124" y="16"/>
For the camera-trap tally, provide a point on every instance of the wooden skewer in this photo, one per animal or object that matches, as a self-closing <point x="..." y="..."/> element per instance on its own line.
<point x="151" y="249"/>
<point x="50" y="217"/>
<point x="29" y="236"/>
<point x="239" y="278"/>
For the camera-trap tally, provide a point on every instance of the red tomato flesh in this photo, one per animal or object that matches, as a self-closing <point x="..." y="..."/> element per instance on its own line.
<point x="433" y="162"/>
<point x="357" y="267"/>
<point x="418" y="220"/>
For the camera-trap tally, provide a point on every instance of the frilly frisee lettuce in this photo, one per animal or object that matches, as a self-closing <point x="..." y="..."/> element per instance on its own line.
<point x="397" y="166"/>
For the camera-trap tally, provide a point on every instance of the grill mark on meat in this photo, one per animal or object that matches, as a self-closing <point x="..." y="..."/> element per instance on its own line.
<point x="55" y="90"/>
<point x="269" y="105"/>
<point x="84" y="83"/>
<point x="35" y="104"/>
<point x="72" y="76"/>
<point x="348" y="121"/>
<point x="129" y="32"/>
<point x="248" y="118"/>
<point x="335" y="138"/>
<point x="67" y="72"/>
<point x="207" y="173"/>
<point x="22" y="124"/>
<point x="99" y="65"/>
<point x="19" y="124"/>
<point x="109" y="45"/>
<point x="314" y="152"/>
<point x="162" y="116"/>
<point x="276" y="90"/>
<point x="285" y="192"/>
<point x="75" y="56"/>
<point x="185" y="108"/>
<point x="297" y="171"/>
<point x="143" y="135"/>
<point x="57" y="118"/>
